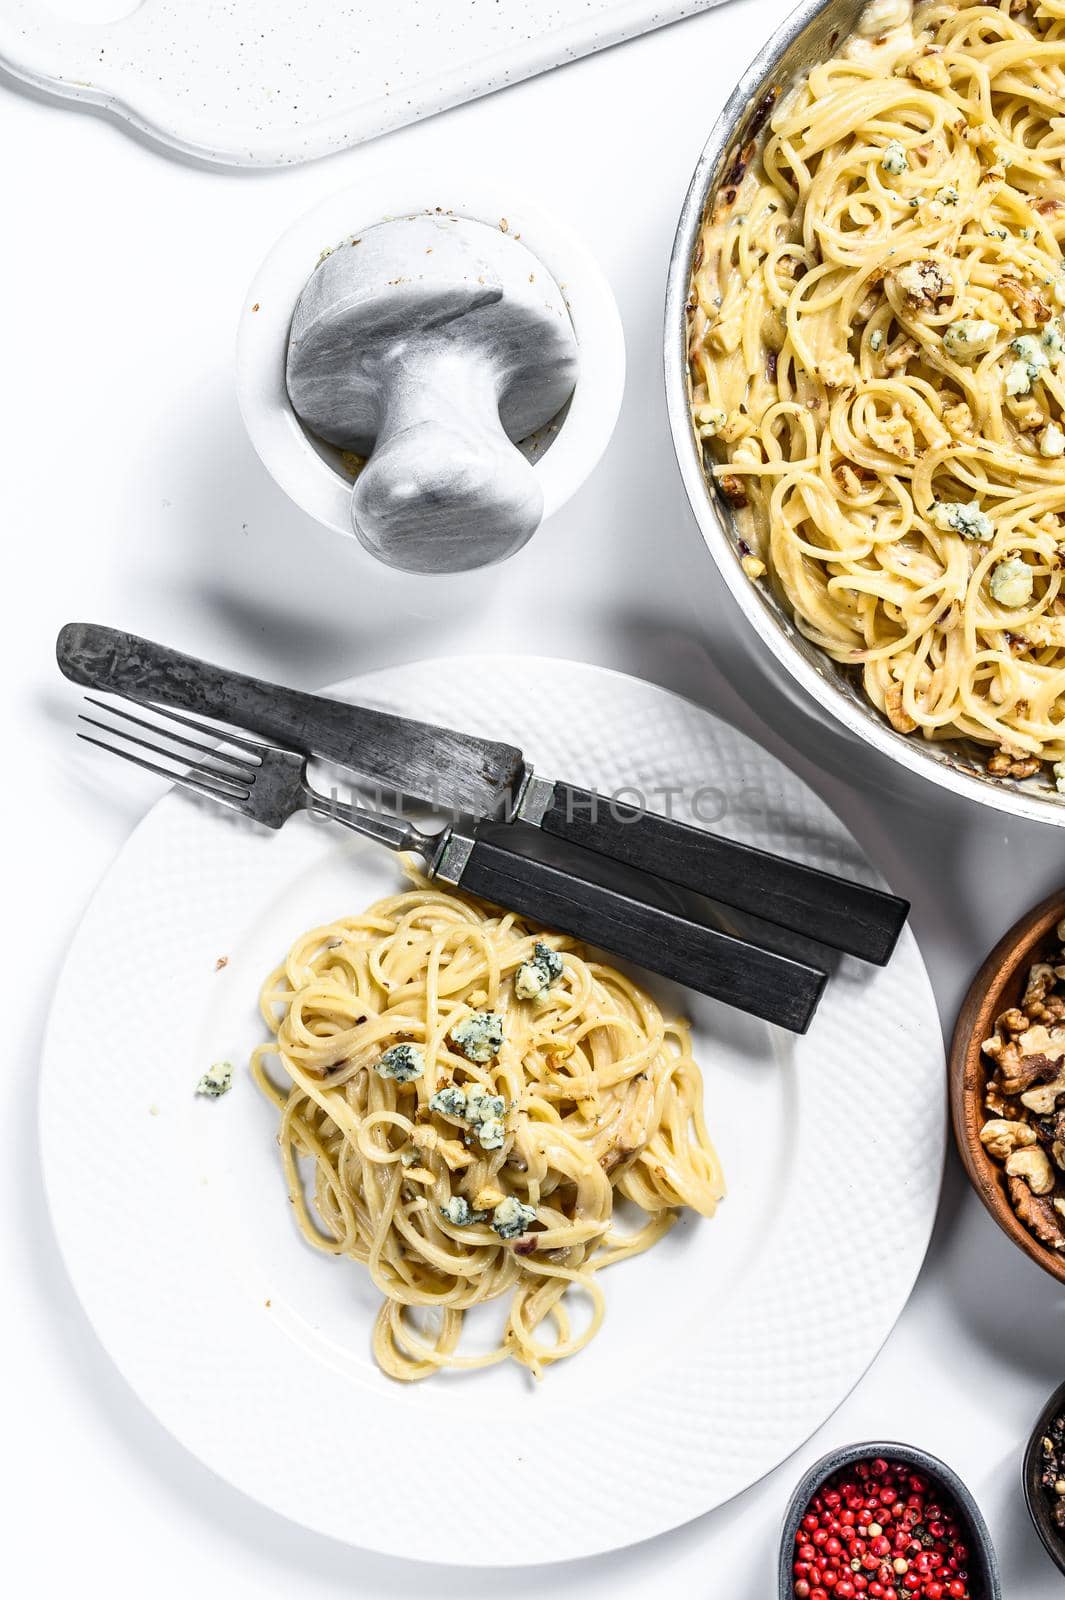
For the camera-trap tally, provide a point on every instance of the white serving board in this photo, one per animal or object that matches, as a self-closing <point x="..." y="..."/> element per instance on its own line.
<point x="273" y="82"/>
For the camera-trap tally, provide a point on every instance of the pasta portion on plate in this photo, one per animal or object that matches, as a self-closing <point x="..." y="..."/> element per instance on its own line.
<point x="877" y="355"/>
<point x="462" y="1103"/>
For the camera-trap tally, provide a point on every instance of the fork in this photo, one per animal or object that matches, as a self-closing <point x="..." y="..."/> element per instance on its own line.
<point x="268" y="784"/>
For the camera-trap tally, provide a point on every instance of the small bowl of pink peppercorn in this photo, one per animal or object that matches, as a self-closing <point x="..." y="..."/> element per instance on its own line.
<point x="884" y="1521"/>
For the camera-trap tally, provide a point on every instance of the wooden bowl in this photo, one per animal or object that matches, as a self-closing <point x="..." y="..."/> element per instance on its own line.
<point x="998" y="985"/>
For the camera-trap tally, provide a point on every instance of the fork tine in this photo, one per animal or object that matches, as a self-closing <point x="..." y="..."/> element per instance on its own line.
<point x="256" y="746"/>
<point x="222" y="796"/>
<point x="244" y="767"/>
<point x="236" y="784"/>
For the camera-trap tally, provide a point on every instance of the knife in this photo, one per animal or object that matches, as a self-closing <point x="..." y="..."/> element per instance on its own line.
<point x="492" y="780"/>
<point x="268" y="785"/>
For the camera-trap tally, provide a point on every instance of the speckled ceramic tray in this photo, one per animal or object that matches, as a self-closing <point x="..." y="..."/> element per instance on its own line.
<point x="270" y="82"/>
<point x="722" y="1349"/>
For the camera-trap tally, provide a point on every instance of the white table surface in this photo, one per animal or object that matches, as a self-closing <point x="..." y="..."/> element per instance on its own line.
<point x="130" y="495"/>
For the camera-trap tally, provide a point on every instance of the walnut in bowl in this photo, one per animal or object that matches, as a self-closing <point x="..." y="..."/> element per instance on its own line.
<point x="1007" y="1084"/>
<point x="1025" y="1098"/>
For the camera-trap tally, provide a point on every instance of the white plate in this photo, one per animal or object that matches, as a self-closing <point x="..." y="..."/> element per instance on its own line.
<point x="723" y="1348"/>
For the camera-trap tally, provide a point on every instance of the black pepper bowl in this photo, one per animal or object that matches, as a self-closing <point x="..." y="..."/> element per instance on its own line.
<point x="983" y="1565"/>
<point x="1038" y="1504"/>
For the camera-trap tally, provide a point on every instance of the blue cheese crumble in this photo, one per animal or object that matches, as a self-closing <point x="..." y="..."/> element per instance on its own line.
<point x="1033" y="358"/>
<point x="1059" y="776"/>
<point x="536" y="976"/>
<point x="953" y="516"/>
<point x="948" y="195"/>
<point x="894" y="159"/>
<point x="709" y="420"/>
<point x="1052" y="341"/>
<point x="479" y="1036"/>
<point x="1019" y="376"/>
<point x="485" y="1113"/>
<point x="876" y="339"/>
<point x="475" y="1105"/>
<point x="482" y="1107"/>
<point x="969" y="337"/>
<point x="459" y="1212"/>
<point x="491" y="1133"/>
<point x="511" y="1218"/>
<point x="216" y="1081"/>
<point x="1052" y="441"/>
<point x="450" y="1101"/>
<point x="1012" y="582"/>
<point x="402" y="1063"/>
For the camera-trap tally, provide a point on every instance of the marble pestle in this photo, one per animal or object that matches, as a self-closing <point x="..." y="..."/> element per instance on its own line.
<point x="431" y="345"/>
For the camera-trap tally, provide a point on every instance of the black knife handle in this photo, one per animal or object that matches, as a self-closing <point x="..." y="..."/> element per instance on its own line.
<point x="743" y="975"/>
<point x="847" y="916"/>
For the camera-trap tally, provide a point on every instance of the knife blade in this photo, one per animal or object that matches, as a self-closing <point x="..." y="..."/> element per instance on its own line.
<point x="491" y="780"/>
<point x="458" y="771"/>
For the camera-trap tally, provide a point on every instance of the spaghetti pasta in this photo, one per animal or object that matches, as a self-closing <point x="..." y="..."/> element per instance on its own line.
<point x="466" y="1100"/>
<point x="877" y="358"/>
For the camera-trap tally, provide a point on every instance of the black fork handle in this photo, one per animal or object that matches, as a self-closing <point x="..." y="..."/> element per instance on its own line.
<point x="757" y="981"/>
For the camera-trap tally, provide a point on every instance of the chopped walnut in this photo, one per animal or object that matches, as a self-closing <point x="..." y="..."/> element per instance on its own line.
<point x="922" y="283"/>
<point x="1002" y="765"/>
<point x="894" y="435"/>
<point x="1028" y="415"/>
<point x="836" y="371"/>
<point x="981" y="136"/>
<point x="1040" y="984"/>
<point x="455" y="1155"/>
<point x="1039" y="1040"/>
<point x="1039" y="1215"/>
<point x="1018" y="1073"/>
<point x="736" y="426"/>
<point x="1025" y="1097"/>
<point x="1026" y="300"/>
<point x="1002" y="1137"/>
<point x="998" y="1104"/>
<point x="899" y="718"/>
<point x="732" y="488"/>
<point x="901" y="354"/>
<point x="959" y="418"/>
<point x="1034" y="1167"/>
<point x="930" y="71"/>
<point x="1043" y="1099"/>
<point x="847" y="479"/>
